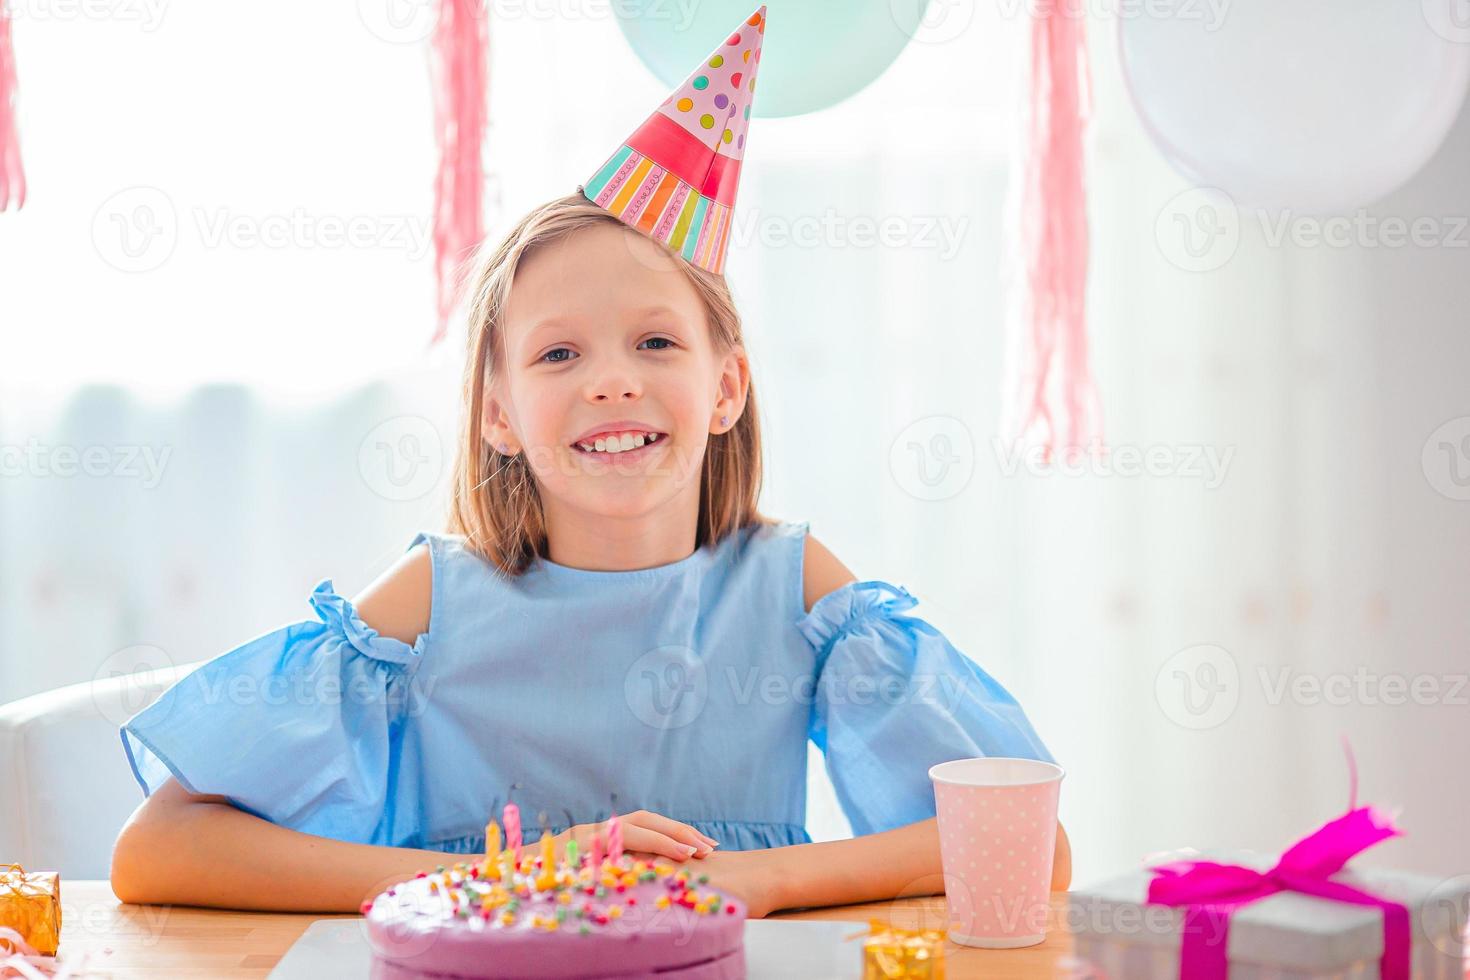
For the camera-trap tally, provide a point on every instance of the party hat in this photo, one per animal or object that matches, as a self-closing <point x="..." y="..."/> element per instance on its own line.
<point x="675" y="178"/>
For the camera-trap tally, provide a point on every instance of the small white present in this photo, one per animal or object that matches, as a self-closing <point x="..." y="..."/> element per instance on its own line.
<point x="1288" y="935"/>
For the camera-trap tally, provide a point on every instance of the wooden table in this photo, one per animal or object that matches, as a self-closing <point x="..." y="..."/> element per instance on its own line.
<point x="137" y="941"/>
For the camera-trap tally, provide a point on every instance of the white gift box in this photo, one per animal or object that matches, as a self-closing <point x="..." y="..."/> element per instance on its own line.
<point x="1286" y="936"/>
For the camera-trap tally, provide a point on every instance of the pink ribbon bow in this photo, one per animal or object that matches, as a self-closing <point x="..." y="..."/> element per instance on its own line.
<point x="1211" y="892"/>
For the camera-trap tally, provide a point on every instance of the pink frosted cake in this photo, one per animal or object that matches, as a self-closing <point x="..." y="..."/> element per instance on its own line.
<point x="633" y="919"/>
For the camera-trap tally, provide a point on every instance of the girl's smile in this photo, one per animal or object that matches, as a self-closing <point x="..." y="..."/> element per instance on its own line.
<point x="623" y="435"/>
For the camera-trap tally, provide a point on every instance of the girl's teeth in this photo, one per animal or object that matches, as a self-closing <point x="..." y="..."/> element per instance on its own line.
<point x="620" y="443"/>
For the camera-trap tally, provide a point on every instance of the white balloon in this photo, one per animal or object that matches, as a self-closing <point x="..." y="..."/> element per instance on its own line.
<point x="1317" y="105"/>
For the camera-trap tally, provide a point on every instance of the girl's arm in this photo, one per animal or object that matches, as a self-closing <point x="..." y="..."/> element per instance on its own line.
<point x="189" y="849"/>
<point x="898" y="863"/>
<point x="179" y="848"/>
<point x="893" y="864"/>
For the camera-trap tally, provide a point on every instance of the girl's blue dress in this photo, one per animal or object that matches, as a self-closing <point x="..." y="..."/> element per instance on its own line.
<point x="689" y="689"/>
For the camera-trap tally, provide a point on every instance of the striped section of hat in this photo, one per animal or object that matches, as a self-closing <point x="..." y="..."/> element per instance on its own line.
<point x="676" y="177"/>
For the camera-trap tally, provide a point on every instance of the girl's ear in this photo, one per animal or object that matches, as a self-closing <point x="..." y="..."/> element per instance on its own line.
<point x="733" y="387"/>
<point x="495" y="425"/>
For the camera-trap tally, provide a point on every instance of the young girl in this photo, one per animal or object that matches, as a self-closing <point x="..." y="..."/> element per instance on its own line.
<point x="610" y="623"/>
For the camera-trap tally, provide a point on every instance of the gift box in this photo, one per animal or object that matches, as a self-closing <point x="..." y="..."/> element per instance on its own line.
<point x="1289" y="935"/>
<point x="891" y="953"/>
<point x="30" y="904"/>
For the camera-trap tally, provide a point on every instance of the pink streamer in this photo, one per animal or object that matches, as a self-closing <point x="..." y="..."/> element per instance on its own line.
<point x="1050" y="393"/>
<point x="458" y="57"/>
<point x="19" y="958"/>
<point x="12" y="175"/>
<point x="1212" y="892"/>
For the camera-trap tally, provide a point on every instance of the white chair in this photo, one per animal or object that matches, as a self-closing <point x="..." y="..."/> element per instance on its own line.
<point x="65" y="785"/>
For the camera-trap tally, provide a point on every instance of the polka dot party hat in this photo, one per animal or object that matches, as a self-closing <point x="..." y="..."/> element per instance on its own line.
<point x="675" y="178"/>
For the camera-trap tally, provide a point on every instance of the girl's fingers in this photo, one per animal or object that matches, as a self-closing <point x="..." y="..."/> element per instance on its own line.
<point x="673" y="828"/>
<point x="644" y="839"/>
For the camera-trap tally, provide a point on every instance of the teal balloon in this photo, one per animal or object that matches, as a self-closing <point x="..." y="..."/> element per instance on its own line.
<point x="815" y="53"/>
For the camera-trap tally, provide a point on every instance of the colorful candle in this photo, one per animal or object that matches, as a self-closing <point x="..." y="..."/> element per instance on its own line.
<point x="614" y="838"/>
<point x="492" y="851"/>
<point x="547" y="879"/>
<point x="512" y="817"/>
<point x="572" y="852"/>
<point x="596" y="853"/>
<point x="508" y="868"/>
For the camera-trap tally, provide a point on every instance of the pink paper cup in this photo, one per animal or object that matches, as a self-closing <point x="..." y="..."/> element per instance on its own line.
<point x="997" y="838"/>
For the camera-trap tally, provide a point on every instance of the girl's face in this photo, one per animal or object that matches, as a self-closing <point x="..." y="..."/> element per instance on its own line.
<point x="602" y="330"/>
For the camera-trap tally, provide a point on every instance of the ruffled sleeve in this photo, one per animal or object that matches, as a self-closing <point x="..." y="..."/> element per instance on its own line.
<point x="894" y="697"/>
<point x="301" y="726"/>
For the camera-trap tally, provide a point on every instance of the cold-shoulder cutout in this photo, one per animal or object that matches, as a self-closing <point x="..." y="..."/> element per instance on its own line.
<point x="821" y="572"/>
<point x="399" y="603"/>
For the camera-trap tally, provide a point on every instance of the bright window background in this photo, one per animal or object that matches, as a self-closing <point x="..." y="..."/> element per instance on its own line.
<point x="221" y="196"/>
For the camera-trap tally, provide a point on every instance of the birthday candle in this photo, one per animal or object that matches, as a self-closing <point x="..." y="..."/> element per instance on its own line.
<point x="572" y="852"/>
<point x="508" y="868"/>
<point x="492" y="850"/>
<point x="547" y="877"/>
<point x="596" y="853"/>
<point x="614" y="838"/>
<point x="512" y="816"/>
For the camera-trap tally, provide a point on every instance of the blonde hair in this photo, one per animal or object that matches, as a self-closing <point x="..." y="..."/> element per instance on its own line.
<point x="495" y="501"/>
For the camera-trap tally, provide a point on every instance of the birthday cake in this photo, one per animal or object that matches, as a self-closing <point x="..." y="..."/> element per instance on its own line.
<point x="615" y="918"/>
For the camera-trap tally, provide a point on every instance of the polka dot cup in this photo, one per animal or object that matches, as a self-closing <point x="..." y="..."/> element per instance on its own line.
<point x="997" y="837"/>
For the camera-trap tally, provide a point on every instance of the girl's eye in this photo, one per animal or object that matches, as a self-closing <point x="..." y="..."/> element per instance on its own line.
<point x="555" y="360"/>
<point x="661" y="340"/>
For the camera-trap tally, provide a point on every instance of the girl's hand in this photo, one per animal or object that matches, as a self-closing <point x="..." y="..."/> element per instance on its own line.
<point x="748" y="876"/>
<point x="651" y="834"/>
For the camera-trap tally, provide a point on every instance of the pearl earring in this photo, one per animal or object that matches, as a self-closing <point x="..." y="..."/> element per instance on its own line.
<point x="504" y="448"/>
<point x="724" y="420"/>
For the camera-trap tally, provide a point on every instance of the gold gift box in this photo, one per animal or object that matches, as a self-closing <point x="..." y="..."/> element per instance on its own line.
<point x="30" y="903"/>
<point x="891" y="953"/>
